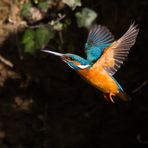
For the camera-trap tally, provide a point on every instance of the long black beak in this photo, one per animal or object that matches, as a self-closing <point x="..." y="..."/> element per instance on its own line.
<point x="54" y="53"/>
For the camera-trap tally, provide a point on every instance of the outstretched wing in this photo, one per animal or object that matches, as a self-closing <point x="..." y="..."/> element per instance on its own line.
<point x="113" y="56"/>
<point x="99" y="38"/>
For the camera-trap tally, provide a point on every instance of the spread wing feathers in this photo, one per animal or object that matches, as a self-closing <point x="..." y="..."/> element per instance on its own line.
<point x="113" y="56"/>
<point x="99" y="36"/>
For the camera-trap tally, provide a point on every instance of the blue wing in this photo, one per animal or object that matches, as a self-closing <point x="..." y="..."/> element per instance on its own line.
<point x="99" y="38"/>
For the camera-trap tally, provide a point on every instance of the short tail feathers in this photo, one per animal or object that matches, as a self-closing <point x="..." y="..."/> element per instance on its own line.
<point x="124" y="96"/>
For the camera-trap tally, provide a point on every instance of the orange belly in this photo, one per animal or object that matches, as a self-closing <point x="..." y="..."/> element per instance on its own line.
<point x="100" y="79"/>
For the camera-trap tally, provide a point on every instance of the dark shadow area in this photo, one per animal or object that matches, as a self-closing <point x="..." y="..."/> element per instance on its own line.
<point x="62" y="110"/>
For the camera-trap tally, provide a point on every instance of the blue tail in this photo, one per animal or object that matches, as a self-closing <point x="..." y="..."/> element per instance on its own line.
<point x="122" y="95"/>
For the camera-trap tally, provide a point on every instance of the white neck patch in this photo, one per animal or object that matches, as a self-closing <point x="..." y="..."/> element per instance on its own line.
<point x="83" y="66"/>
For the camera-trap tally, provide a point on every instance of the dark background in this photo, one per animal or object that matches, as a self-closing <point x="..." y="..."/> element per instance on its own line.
<point x="67" y="112"/>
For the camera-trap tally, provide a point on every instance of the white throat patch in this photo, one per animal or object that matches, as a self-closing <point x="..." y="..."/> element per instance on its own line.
<point x="83" y="66"/>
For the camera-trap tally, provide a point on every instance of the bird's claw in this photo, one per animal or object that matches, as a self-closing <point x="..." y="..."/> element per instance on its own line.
<point x="109" y="97"/>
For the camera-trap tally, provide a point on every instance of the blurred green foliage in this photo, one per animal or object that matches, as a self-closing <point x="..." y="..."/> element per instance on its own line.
<point x="39" y="35"/>
<point x="35" y="39"/>
<point x="72" y="3"/>
<point x="43" y="6"/>
<point x="25" y="12"/>
<point x="86" y="17"/>
<point x="28" y="41"/>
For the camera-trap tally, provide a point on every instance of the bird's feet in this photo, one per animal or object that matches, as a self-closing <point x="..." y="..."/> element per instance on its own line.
<point x="109" y="97"/>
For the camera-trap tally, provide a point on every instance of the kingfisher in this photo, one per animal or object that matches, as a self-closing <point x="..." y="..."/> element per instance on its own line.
<point x="104" y="56"/>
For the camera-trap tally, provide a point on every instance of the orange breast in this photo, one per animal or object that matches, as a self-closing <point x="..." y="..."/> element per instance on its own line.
<point x="99" y="78"/>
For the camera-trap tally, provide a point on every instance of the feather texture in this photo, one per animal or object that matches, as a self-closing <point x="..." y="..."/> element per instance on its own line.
<point x="114" y="56"/>
<point x="99" y="35"/>
<point x="98" y="39"/>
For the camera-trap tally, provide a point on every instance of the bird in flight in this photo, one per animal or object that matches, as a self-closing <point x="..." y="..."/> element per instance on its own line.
<point x="104" y="56"/>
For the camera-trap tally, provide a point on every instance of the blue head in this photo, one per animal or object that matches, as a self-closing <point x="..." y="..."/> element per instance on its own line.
<point x="74" y="61"/>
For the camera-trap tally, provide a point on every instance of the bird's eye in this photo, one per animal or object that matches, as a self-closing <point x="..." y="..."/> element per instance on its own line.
<point x="69" y="58"/>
